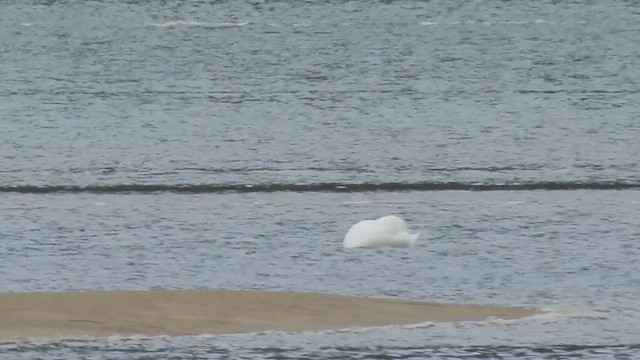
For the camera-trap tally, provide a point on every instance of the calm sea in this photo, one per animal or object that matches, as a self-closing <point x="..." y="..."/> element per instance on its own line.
<point x="231" y="144"/>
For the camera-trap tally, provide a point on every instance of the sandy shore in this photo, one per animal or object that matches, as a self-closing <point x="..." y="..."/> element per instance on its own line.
<point x="72" y="315"/>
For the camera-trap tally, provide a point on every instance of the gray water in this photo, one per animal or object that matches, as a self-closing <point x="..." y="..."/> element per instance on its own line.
<point x="231" y="144"/>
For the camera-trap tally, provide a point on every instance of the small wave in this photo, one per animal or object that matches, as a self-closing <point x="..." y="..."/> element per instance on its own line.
<point x="206" y="25"/>
<point x="485" y="23"/>
<point x="545" y="315"/>
<point x="318" y="187"/>
<point x="573" y="312"/>
<point x="551" y="315"/>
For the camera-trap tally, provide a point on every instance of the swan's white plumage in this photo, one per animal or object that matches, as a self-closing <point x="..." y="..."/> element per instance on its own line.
<point x="385" y="231"/>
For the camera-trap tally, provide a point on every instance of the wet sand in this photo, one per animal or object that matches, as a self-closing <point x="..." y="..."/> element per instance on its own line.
<point x="75" y="315"/>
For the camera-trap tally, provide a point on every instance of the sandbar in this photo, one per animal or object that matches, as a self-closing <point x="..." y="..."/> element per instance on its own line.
<point x="89" y="314"/>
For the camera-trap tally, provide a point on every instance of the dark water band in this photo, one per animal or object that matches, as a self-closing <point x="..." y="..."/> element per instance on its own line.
<point x="319" y="187"/>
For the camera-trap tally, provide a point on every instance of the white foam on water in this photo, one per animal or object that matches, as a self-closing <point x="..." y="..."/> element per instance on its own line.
<point x="572" y="312"/>
<point x="227" y="25"/>
<point x="545" y="315"/>
<point x="389" y="231"/>
<point x="548" y="315"/>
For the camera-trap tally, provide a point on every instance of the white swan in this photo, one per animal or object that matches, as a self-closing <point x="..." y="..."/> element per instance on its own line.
<point x="386" y="231"/>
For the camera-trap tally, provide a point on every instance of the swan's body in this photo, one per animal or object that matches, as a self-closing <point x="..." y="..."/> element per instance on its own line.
<point x="386" y="231"/>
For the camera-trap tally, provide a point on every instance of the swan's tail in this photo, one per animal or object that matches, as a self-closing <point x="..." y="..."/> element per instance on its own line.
<point x="413" y="238"/>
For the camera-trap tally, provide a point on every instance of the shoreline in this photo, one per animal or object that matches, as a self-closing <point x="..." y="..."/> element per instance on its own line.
<point x="76" y="315"/>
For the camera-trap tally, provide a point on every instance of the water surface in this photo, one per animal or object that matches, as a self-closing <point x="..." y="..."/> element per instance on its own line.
<point x="168" y="144"/>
